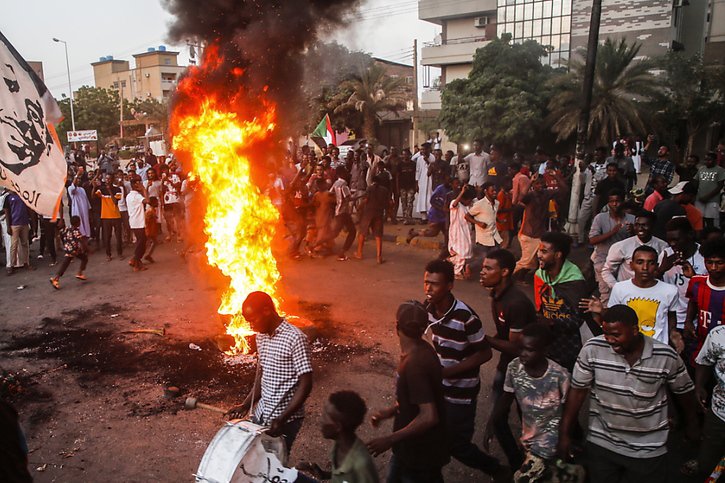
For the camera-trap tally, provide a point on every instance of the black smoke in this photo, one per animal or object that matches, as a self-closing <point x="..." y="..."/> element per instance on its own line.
<point x="266" y="38"/>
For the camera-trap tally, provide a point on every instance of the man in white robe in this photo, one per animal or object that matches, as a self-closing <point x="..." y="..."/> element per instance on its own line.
<point x="423" y="159"/>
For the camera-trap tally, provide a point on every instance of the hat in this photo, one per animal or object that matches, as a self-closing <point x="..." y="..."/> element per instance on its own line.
<point x="637" y="193"/>
<point x="683" y="187"/>
<point x="412" y="318"/>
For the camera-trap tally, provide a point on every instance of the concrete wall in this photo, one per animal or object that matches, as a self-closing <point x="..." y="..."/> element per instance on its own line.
<point x="436" y="11"/>
<point x="459" y="71"/>
<point x="463" y="28"/>
<point x="715" y="45"/>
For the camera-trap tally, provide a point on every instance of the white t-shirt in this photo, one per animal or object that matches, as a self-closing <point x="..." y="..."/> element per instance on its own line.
<point x="478" y="164"/>
<point x="651" y="304"/>
<point x="674" y="276"/>
<point x="134" y="202"/>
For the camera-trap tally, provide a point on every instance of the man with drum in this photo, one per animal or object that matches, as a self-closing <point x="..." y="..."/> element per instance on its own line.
<point x="284" y="373"/>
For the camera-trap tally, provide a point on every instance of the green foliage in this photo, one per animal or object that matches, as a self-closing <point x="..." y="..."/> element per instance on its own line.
<point x="503" y="99"/>
<point x="94" y="108"/>
<point x="370" y="92"/>
<point x="691" y="95"/>
<point x="622" y="86"/>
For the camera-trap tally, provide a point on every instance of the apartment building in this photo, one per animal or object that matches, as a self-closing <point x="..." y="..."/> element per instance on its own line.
<point x="154" y="74"/>
<point x="693" y="26"/>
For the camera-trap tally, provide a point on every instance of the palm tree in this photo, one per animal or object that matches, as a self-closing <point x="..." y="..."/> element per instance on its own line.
<point x="372" y="92"/>
<point x="621" y="85"/>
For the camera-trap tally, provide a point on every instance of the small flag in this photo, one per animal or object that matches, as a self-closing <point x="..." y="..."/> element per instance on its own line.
<point x="31" y="160"/>
<point x="324" y="131"/>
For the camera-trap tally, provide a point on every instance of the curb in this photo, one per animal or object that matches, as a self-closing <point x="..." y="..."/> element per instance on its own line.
<point x="418" y="242"/>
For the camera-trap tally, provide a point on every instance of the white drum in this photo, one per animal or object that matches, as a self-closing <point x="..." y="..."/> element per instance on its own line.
<point x="241" y="452"/>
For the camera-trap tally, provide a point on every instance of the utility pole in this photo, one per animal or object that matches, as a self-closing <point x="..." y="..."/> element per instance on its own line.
<point x="415" y="92"/>
<point x="120" y="87"/>
<point x="582" y="132"/>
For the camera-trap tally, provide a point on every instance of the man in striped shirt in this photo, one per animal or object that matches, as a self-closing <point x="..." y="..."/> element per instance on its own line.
<point x="628" y="375"/>
<point x="458" y="339"/>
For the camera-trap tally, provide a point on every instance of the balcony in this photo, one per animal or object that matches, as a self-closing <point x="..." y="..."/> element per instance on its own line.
<point x="435" y="11"/>
<point x="455" y="51"/>
<point x="431" y="100"/>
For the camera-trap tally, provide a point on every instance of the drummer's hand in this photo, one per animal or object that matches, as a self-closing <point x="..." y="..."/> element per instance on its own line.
<point x="237" y="412"/>
<point x="275" y="427"/>
<point x="380" y="445"/>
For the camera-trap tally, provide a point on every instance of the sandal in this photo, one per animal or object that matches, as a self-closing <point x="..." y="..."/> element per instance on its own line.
<point x="80" y="276"/>
<point x="55" y="283"/>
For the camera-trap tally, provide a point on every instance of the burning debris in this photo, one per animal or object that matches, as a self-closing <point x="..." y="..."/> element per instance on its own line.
<point x="225" y="120"/>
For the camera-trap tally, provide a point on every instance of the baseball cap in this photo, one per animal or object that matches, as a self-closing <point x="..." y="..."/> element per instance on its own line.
<point x="412" y="318"/>
<point x="683" y="187"/>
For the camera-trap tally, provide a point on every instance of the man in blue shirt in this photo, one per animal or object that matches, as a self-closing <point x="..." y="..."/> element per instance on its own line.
<point x="18" y="223"/>
<point x="437" y="213"/>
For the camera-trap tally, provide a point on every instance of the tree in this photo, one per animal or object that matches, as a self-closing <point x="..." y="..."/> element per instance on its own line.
<point x="691" y="95"/>
<point x="94" y="108"/>
<point x="622" y="87"/>
<point x="504" y="97"/>
<point x="371" y="92"/>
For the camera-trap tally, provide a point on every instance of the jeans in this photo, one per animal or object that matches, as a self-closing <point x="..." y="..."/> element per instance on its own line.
<point x="460" y="424"/>
<point x="501" y="426"/>
<point x="397" y="473"/>
<point x="713" y="442"/>
<point x="108" y="225"/>
<point x="407" y="197"/>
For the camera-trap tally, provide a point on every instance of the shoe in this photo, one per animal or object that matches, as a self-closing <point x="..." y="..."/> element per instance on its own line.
<point x="342" y="258"/>
<point x="10" y="270"/>
<point x="40" y="257"/>
<point x="80" y="276"/>
<point x="149" y="259"/>
<point x="55" y="282"/>
<point x="109" y="258"/>
<point x="30" y="267"/>
<point x="53" y="263"/>
<point x="140" y="268"/>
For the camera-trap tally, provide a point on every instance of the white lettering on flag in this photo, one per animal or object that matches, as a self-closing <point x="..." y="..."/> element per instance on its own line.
<point x="31" y="163"/>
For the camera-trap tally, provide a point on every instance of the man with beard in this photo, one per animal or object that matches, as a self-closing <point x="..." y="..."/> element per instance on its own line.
<point x="662" y="165"/>
<point x="559" y="286"/>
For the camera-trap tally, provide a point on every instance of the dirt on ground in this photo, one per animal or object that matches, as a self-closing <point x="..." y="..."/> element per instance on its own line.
<point x="87" y="366"/>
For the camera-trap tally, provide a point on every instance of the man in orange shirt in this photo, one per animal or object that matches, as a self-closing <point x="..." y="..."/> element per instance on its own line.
<point x="110" y="216"/>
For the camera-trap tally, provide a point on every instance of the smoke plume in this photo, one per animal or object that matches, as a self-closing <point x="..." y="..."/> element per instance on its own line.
<point x="265" y="38"/>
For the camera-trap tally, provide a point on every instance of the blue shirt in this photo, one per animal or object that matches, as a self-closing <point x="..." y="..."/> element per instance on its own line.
<point x="436" y="212"/>
<point x="19" y="214"/>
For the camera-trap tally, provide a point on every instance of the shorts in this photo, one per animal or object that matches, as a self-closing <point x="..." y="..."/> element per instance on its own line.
<point x="372" y="222"/>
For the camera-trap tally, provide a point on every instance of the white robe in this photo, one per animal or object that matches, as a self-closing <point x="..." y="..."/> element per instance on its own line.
<point x="80" y="207"/>
<point x="422" y="198"/>
<point x="460" y="242"/>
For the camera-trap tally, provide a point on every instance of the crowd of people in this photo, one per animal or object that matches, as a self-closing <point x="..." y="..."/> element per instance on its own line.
<point x="636" y="335"/>
<point x="108" y="208"/>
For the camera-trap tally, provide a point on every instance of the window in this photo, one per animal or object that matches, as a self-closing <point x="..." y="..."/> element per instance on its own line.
<point x="167" y="61"/>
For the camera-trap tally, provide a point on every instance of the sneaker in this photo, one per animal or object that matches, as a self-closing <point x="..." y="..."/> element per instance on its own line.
<point x="55" y="282"/>
<point x="40" y="257"/>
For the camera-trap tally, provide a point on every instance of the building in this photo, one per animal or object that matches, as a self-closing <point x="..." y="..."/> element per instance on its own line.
<point x="154" y="74"/>
<point x="395" y="128"/>
<point x="659" y="25"/>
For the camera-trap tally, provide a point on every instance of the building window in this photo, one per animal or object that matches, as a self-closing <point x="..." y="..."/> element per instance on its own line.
<point x="167" y="61"/>
<point x="545" y="21"/>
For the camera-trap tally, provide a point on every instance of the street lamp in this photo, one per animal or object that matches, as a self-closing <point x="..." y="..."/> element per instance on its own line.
<point x="70" y="89"/>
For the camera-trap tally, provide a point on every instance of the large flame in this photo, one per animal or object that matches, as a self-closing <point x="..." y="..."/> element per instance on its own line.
<point x="213" y="133"/>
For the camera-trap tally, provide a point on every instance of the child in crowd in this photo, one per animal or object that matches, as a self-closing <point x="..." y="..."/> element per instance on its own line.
<point x="75" y="245"/>
<point x="539" y="386"/>
<point x="342" y="414"/>
<point x="152" y="228"/>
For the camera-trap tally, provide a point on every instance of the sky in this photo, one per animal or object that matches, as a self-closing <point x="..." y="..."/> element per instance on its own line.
<point x="97" y="28"/>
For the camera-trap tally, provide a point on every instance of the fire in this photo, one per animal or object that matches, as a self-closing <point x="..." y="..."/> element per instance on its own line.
<point x="215" y="134"/>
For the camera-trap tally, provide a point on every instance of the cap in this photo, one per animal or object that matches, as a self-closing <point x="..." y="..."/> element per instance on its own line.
<point x="637" y="193"/>
<point x="412" y="318"/>
<point x="683" y="187"/>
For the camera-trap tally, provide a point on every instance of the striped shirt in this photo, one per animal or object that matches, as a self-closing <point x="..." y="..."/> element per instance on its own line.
<point x="456" y="336"/>
<point x="628" y="405"/>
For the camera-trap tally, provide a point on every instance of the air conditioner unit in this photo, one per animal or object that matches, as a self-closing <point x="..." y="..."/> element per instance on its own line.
<point x="480" y="21"/>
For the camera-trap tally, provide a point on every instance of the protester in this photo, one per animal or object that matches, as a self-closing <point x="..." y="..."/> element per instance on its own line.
<point x="151" y="228"/>
<point x="375" y="200"/>
<point x="613" y="181"/>
<point x="710" y="180"/>
<point x="137" y="220"/>
<point x="460" y="244"/>
<point x="423" y="160"/>
<point x="511" y="311"/>
<point x="660" y="166"/>
<point x="75" y="245"/>
<point x="418" y="412"/>
<point x="17" y="217"/>
<point x="478" y="162"/>
<point x="659" y="184"/>
<point x="594" y="172"/>
<point x="559" y="286"/>
<point x="437" y="213"/>
<point x="407" y="185"/>
<point x="617" y="267"/>
<point x="110" y="217"/>
<point x="458" y="339"/>
<point x="284" y="371"/>
<point x="539" y="386"/>
<point x="683" y="195"/>
<point x="628" y="425"/>
<point x="342" y="414"/>
<point x="482" y="215"/>
<point x="342" y="216"/>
